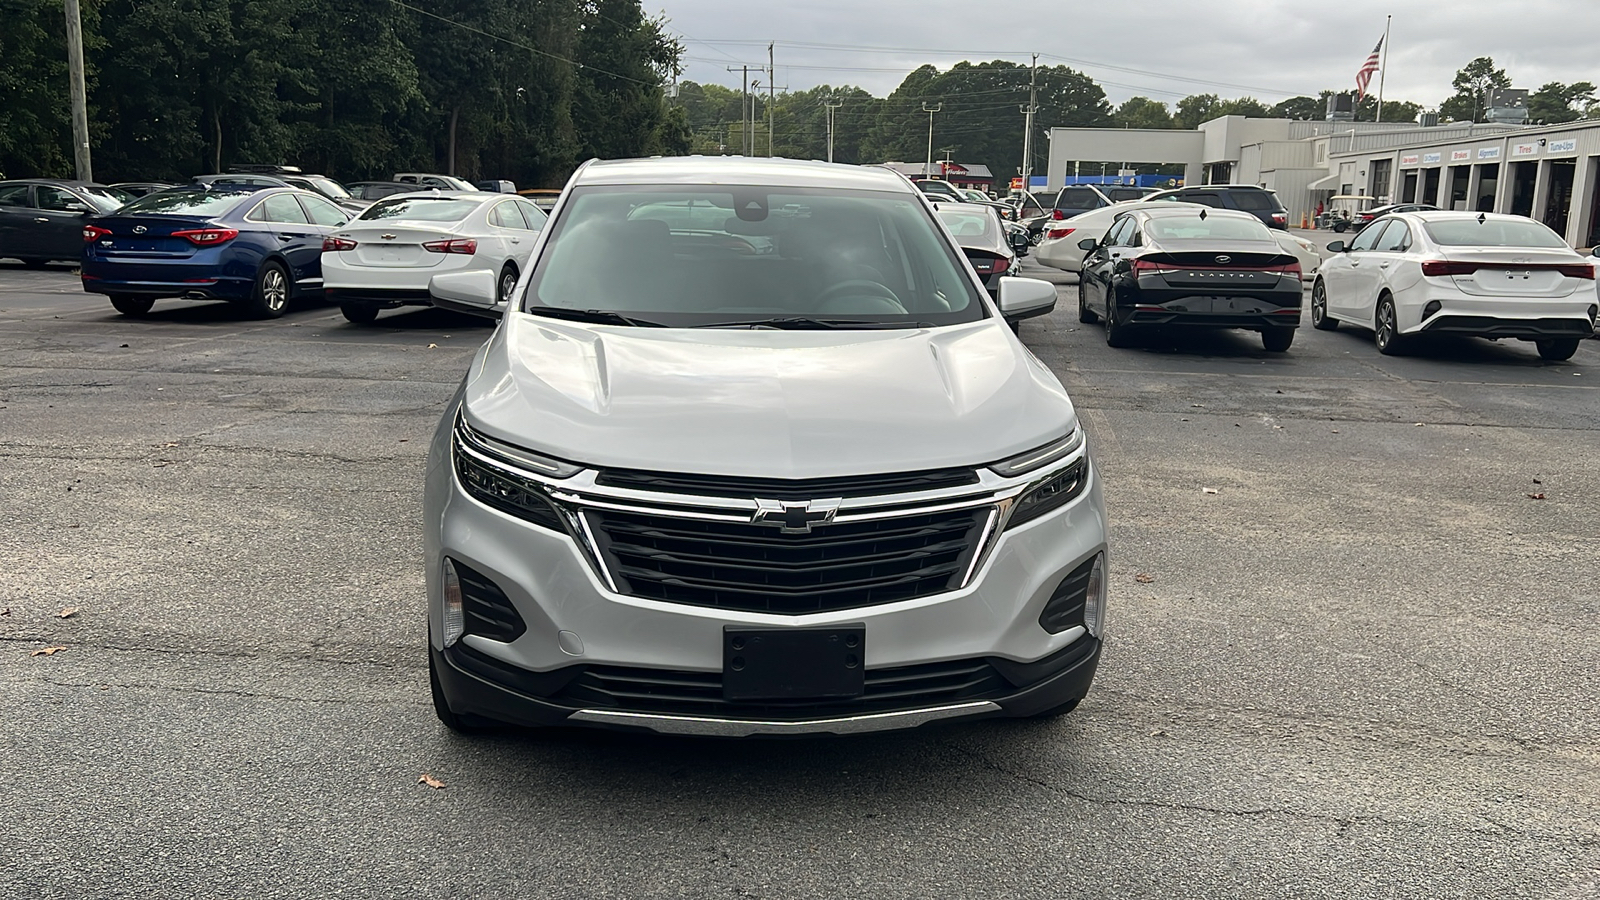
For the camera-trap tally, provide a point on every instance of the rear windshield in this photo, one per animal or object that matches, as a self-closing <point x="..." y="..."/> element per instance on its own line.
<point x="691" y="255"/>
<point x="1255" y="200"/>
<point x="425" y="209"/>
<point x="1211" y="228"/>
<point x="1493" y="233"/>
<point x="1118" y="195"/>
<point x="185" y="203"/>
<point x="979" y="223"/>
<point x="1077" y="198"/>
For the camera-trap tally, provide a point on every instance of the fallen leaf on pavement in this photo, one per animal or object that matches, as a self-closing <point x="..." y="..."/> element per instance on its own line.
<point x="432" y="346"/>
<point x="5" y="612"/>
<point x="430" y="781"/>
<point x="1143" y="578"/>
<point x="1538" y="496"/>
<point x="46" y="651"/>
<point x="67" y="612"/>
<point x="1537" y="481"/>
<point x="1208" y="490"/>
<point x="1418" y="424"/>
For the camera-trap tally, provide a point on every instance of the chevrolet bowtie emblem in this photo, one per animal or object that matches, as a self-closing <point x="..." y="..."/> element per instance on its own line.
<point x="791" y="517"/>
<point x="387" y="237"/>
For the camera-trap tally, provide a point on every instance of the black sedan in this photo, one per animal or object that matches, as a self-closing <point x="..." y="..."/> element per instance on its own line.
<point x="41" y="219"/>
<point x="1210" y="268"/>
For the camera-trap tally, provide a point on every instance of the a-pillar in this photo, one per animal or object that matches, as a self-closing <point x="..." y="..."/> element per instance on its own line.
<point x="1541" y="191"/>
<point x="1583" y="185"/>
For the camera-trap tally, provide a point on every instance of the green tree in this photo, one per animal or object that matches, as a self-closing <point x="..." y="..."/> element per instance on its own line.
<point x="1142" y="112"/>
<point x="35" y="133"/>
<point x="625" y="62"/>
<point x="1244" y="106"/>
<point x="1472" y="85"/>
<point x="1196" y="108"/>
<point x="1556" y="102"/>
<point x="1306" y="108"/>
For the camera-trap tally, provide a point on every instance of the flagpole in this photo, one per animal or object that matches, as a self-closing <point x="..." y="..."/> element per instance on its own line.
<point x="1383" y="67"/>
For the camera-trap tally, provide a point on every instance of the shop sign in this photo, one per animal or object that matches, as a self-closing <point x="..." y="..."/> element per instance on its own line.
<point x="1563" y="146"/>
<point x="1409" y="160"/>
<point x="1489" y="153"/>
<point x="1459" y="155"/>
<point x="1524" y="149"/>
<point x="1431" y="157"/>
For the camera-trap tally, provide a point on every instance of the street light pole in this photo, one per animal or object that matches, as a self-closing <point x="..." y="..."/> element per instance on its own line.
<point x="745" y="139"/>
<point x="927" y="167"/>
<point x="831" y="104"/>
<point x="1027" y="133"/>
<point x="80" y="99"/>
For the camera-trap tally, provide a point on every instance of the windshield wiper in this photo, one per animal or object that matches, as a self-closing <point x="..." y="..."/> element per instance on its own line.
<point x="800" y="323"/>
<point x="597" y="316"/>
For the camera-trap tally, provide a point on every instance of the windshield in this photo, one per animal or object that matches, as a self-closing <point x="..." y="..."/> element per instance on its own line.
<point x="106" y="199"/>
<point x="424" y="209"/>
<point x="185" y="203"/>
<point x="1493" y="233"/>
<point x="689" y="256"/>
<point x="1210" y="228"/>
<point x="979" y="223"/>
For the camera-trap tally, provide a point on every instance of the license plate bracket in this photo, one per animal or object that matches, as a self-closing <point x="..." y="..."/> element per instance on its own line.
<point x="810" y="663"/>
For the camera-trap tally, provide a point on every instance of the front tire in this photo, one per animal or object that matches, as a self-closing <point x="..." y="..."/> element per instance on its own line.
<point x="130" y="305"/>
<point x="271" y="295"/>
<point x="1386" y="328"/>
<point x="1277" y="340"/>
<point x="1320" y="319"/>
<point x="1085" y="314"/>
<point x="1557" y="349"/>
<point x="358" y="312"/>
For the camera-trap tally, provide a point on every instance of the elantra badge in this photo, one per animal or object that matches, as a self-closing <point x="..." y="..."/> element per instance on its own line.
<point x="794" y="518"/>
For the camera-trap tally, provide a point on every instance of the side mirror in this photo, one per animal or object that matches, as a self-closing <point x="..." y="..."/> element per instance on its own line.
<point x="1336" y="247"/>
<point x="470" y="292"/>
<point x="1019" y="241"/>
<point x="1088" y="244"/>
<point x="1020" y="297"/>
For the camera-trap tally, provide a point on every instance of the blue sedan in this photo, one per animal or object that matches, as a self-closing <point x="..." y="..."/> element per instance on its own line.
<point x="260" y="248"/>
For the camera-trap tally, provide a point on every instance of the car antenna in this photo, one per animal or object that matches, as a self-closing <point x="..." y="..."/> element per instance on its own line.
<point x="1482" y="217"/>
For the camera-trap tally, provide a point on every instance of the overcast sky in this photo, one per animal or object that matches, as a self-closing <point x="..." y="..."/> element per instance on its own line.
<point x="1268" y="49"/>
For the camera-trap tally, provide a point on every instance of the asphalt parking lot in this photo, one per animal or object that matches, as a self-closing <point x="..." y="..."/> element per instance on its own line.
<point x="1352" y="641"/>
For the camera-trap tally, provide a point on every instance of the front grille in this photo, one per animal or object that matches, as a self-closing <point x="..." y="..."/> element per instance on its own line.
<point x="754" y="568"/>
<point x="786" y="488"/>
<point x="700" y="693"/>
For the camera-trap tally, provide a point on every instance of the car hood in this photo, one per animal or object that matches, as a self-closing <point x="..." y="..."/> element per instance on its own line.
<point x="779" y="404"/>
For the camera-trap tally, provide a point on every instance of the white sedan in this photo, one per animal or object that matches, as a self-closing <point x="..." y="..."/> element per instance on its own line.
<point x="384" y="258"/>
<point x="1060" y="249"/>
<point x="1482" y="274"/>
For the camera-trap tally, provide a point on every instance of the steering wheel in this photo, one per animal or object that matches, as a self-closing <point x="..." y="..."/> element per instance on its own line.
<point x="860" y="287"/>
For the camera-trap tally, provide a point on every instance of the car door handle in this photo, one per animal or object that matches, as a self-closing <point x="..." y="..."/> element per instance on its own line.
<point x="287" y="237"/>
<point x="516" y="240"/>
<point x="1383" y="265"/>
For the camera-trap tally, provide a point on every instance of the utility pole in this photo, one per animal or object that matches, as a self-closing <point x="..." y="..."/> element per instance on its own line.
<point x="930" y="109"/>
<point x="831" y="104"/>
<point x="80" y="97"/>
<point x="1027" y="132"/>
<point x="772" y="78"/>
<point x="747" y="141"/>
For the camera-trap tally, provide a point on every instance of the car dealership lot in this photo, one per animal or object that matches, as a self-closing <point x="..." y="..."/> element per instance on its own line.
<point x="1363" y="666"/>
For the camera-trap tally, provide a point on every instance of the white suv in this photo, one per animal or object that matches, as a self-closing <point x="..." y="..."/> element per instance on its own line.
<point x="752" y="452"/>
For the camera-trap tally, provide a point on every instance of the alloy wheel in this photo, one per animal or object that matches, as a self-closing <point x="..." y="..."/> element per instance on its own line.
<point x="274" y="290"/>
<point x="1319" y="308"/>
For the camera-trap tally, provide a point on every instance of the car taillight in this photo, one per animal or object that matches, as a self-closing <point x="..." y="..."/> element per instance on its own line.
<point x="337" y="243"/>
<point x="1057" y="234"/>
<point x="207" y="237"/>
<point x="1146" y="267"/>
<point x="94" y="232"/>
<point x="1058" y="215"/>
<point x="1438" y="267"/>
<point x="1577" y="270"/>
<point x="454" y="245"/>
<point x="1280" y="217"/>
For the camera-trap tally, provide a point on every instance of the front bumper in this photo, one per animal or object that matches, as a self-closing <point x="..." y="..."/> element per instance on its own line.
<point x="581" y="632"/>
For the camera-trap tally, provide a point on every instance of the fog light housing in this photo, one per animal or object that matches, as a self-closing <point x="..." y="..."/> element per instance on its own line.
<point x="1593" y="311"/>
<point x="454" y="617"/>
<point x="1432" y="307"/>
<point x="1080" y="599"/>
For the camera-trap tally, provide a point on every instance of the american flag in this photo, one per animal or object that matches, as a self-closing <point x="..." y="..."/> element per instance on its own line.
<point x="1364" y="76"/>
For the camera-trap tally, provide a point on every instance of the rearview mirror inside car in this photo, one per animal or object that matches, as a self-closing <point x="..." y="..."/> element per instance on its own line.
<point x="469" y="292"/>
<point x="1088" y="244"/>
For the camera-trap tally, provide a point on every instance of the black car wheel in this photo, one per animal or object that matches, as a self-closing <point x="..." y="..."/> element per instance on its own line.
<point x="1117" y="335"/>
<point x="1386" y="328"/>
<point x="358" y="312"/>
<point x="1340" y="227"/>
<point x="508" y="282"/>
<point x="1277" y="340"/>
<point x="271" y="294"/>
<point x="1320" y="319"/>
<point x="1557" y="349"/>
<point x="130" y="305"/>
<point x="1085" y="314"/>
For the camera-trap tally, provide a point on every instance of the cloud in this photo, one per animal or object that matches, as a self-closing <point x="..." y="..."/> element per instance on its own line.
<point x="1164" y="49"/>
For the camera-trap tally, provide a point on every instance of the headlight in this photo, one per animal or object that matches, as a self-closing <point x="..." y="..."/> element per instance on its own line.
<point x="1039" y="457"/>
<point x="487" y="469"/>
<point x="1050" y="494"/>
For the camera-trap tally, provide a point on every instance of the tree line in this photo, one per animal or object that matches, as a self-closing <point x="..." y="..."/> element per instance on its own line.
<point x="356" y="89"/>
